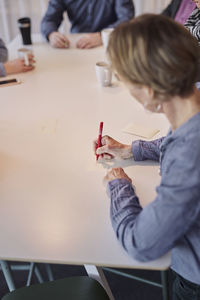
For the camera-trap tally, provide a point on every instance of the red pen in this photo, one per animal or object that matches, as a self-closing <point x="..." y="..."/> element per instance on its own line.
<point x="99" y="138"/>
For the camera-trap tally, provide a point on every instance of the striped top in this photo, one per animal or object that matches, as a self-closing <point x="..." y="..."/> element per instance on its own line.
<point x="193" y="24"/>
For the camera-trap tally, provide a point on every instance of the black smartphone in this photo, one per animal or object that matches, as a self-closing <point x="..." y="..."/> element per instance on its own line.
<point x="9" y="82"/>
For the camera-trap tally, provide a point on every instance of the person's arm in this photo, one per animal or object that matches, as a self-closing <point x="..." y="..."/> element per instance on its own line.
<point x="149" y="233"/>
<point x="146" y="150"/>
<point x="3" y="52"/>
<point x="124" y="10"/>
<point x="53" y="17"/>
<point x="139" y="150"/>
<point x="16" y="66"/>
<point x="193" y="24"/>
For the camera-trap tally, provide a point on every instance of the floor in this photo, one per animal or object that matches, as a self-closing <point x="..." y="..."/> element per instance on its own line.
<point x="122" y="288"/>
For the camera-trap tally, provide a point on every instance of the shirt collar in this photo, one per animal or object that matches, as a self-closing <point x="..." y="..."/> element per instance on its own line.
<point x="193" y="124"/>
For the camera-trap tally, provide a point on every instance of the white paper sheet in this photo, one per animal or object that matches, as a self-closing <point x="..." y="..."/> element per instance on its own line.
<point x="139" y="130"/>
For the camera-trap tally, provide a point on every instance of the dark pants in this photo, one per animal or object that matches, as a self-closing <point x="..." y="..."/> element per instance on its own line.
<point x="184" y="289"/>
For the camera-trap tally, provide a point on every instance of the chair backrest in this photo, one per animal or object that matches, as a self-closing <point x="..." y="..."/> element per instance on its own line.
<point x="73" y="288"/>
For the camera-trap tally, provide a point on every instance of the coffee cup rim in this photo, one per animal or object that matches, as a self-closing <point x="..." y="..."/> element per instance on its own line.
<point x="107" y="30"/>
<point x="104" y="64"/>
<point x="23" y="49"/>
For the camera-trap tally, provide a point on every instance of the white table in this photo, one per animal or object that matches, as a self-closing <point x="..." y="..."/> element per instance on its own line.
<point x="53" y="205"/>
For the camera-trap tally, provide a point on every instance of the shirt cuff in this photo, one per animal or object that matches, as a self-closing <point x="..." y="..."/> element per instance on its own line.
<point x="48" y="32"/>
<point x="2" y="70"/>
<point x="137" y="153"/>
<point x="115" y="183"/>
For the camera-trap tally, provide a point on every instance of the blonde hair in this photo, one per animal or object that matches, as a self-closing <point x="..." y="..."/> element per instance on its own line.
<point x="155" y="51"/>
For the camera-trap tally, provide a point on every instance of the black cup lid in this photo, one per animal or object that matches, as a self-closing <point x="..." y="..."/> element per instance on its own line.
<point x="25" y="20"/>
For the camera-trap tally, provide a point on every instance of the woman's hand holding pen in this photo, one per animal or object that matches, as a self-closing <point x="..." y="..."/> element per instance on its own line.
<point x="112" y="149"/>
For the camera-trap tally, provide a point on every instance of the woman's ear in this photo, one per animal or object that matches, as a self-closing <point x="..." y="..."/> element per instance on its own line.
<point x="149" y="92"/>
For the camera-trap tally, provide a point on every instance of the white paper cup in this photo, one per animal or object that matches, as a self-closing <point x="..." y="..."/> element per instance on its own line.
<point x="105" y="35"/>
<point x="24" y="53"/>
<point x="104" y="73"/>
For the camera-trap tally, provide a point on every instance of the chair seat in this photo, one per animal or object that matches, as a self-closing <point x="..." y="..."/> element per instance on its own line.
<point x="71" y="288"/>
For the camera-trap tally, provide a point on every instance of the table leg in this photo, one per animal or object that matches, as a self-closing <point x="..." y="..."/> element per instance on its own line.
<point x="7" y="274"/>
<point x="165" y="284"/>
<point x="97" y="274"/>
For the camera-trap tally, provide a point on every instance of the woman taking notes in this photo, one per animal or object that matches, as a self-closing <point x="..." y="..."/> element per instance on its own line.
<point x="157" y="59"/>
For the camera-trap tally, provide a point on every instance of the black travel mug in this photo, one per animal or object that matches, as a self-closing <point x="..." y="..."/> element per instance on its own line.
<point x="24" y="25"/>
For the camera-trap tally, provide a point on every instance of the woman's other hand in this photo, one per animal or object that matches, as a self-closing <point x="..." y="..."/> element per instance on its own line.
<point x="116" y="173"/>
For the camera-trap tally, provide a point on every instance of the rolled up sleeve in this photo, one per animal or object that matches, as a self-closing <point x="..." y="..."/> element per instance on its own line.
<point x="146" y="150"/>
<point x="53" y="17"/>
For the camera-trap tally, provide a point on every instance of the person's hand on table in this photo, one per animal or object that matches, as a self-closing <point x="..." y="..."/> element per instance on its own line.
<point x="89" y="40"/>
<point x="112" y="149"/>
<point x="116" y="173"/>
<point x="18" y="65"/>
<point x="58" y="40"/>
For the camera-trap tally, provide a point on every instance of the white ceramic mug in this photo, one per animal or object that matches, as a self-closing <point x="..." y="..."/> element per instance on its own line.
<point x="104" y="73"/>
<point x="24" y="53"/>
<point x="105" y="35"/>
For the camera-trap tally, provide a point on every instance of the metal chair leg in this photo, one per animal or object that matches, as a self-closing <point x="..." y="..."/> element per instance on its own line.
<point x="38" y="274"/>
<point x="6" y="269"/>
<point x="30" y="273"/>
<point x="7" y="274"/>
<point x="49" y="272"/>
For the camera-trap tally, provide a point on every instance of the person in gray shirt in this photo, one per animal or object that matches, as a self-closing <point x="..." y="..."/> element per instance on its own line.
<point x="8" y="67"/>
<point x="157" y="59"/>
<point x="3" y="52"/>
<point x="85" y="16"/>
